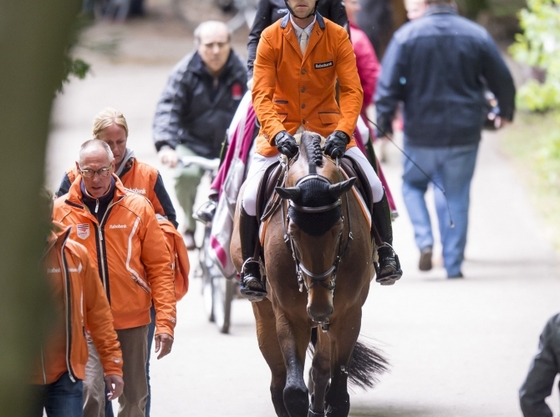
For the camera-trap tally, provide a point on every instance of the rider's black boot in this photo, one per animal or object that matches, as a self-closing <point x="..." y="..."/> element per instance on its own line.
<point x="252" y="286"/>
<point x="388" y="270"/>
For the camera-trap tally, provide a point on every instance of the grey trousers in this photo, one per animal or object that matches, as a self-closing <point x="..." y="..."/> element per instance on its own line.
<point x="133" y="400"/>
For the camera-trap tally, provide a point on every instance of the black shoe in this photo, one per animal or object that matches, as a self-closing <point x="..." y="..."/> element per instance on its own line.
<point x="455" y="276"/>
<point x="425" y="262"/>
<point x="251" y="286"/>
<point x="206" y="212"/>
<point x="388" y="270"/>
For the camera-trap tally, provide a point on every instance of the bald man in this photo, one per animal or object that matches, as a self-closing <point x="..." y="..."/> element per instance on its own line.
<point x="196" y="108"/>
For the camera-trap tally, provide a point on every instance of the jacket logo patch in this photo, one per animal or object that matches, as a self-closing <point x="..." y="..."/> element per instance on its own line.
<point x="236" y="91"/>
<point x="82" y="230"/>
<point x="321" y="65"/>
<point x="138" y="190"/>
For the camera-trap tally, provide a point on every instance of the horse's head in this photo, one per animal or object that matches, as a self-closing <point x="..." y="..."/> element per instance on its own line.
<point x="315" y="225"/>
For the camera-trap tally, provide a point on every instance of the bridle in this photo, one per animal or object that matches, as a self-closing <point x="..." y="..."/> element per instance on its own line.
<point x="301" y="270"/>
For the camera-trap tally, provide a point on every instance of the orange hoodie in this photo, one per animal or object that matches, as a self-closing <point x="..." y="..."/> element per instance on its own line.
<point x="78" y="298"/>
<point x="132" y="258"/>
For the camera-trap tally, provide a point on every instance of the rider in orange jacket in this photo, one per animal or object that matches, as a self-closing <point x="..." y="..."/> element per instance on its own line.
<point x="299" y="60"/>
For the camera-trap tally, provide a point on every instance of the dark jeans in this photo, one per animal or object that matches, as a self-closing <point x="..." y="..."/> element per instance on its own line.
<point x="62" y="398"/>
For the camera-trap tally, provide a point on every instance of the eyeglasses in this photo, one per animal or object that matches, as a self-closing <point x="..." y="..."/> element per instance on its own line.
<point x="102" y="172"/>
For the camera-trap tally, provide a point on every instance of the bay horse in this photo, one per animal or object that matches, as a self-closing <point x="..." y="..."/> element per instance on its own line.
<point x="317" y="252"/>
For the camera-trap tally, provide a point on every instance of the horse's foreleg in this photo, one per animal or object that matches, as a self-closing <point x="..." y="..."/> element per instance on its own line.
<point x="293" y="343"/>
<point x="270" y="349"/>
<point x="320" y="375"/>
<point x="343" y="336"/>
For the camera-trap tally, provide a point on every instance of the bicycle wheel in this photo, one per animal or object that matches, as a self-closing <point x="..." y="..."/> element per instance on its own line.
<point x="223" y="291"/>
<point x="205" y="264"/>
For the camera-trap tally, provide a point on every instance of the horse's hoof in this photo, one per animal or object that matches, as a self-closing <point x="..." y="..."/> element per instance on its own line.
<point x="312" y="413"/>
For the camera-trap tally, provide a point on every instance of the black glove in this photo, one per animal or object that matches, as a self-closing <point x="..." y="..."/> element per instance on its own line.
<point x="335" y="145"/>
<point x="286" y="144"/>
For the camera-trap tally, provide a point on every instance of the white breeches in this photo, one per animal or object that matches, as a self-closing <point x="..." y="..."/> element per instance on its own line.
<point x="260" y="163"/>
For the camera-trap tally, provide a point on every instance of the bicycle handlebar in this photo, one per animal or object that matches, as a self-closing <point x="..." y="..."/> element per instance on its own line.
<point x="204" y="163"/>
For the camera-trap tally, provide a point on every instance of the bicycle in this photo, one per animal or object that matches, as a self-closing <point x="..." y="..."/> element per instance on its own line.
<point x="218" y="291"/>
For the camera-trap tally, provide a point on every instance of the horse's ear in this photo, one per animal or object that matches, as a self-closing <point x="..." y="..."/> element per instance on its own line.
<point x="290" y="193"/>
<point x="336" y="190"/>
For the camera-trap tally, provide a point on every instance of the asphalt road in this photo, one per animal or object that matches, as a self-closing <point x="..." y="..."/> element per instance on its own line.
<point x="457" y="348"/>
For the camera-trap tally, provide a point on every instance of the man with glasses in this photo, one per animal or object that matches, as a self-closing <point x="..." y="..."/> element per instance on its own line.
<point x="120" y="231"/>
<point x="196" y="108"/>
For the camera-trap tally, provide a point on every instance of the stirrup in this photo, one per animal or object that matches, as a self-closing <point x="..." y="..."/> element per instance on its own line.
<point x="252" y="287"/>
<point x="393" y="263"/>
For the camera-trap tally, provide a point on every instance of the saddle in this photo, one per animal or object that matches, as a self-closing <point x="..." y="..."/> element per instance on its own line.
<point x="267" y="200"/>
<point x="275" y="176"/>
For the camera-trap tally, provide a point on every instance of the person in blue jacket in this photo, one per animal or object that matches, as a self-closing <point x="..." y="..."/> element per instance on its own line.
<point x="438" y="66"/>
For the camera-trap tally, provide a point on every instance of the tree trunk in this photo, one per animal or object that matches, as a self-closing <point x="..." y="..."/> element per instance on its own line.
<point x="33" y="39"/>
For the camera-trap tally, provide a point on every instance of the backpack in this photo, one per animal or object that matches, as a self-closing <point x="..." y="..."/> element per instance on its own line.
<point x="178" y="250"/>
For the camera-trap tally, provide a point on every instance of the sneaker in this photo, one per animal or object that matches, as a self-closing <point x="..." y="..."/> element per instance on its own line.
<point x="455" y="276"/>
<point x="205" y="213"/>
<point x="188" y="237"/>
<point x="425" y="263"/>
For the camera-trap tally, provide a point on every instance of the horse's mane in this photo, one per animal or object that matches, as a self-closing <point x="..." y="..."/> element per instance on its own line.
<point x="314" y="192"/>
<point x="311" y="150"/>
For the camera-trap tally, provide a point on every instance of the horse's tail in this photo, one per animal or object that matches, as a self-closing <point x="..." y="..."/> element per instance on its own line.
<point x="366" y="365"/>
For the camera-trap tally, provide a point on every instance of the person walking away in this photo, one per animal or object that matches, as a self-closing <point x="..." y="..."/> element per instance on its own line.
<point x="195" y="109"/>
<point x="437" y="66"/>
<point x="78" y="298"/>
<point x="299" y="58"/>
<point x="120" y="231"/>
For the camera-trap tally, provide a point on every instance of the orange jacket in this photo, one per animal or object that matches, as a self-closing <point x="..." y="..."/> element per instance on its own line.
<point x="132" y="258"/>
<point x="140" y="178"/>
<point x="291" y="90"/>
<point x="78" y="298"/>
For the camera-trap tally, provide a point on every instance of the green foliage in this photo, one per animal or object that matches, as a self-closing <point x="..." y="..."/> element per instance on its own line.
<point x="75" y="66"/>
<point x="534" y="142"/>
<point x="539" y="46"/>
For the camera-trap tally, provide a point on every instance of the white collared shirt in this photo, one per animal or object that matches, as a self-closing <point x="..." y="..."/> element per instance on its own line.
<point x="299" y="30"/>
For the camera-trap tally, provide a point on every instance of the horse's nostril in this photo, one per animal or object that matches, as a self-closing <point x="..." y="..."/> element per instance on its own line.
<point x="319" y="315"/>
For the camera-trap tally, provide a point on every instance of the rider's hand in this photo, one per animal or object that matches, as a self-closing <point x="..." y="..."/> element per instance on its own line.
<point x="168" y="156"/>
<point x="335" y="145"/>
<point x="286" y="144"/>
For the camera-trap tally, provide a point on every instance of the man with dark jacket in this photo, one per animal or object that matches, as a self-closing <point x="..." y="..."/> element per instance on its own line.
<point x="196" y="108"/>
<point x="543" y="370"/>
<point x="437" y="66"/>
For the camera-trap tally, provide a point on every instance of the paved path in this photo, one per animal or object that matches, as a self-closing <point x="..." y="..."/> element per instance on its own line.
<point x="457" y="348"/>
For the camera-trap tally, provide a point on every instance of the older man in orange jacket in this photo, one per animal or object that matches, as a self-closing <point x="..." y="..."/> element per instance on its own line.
<point x="121" y="232"/>
<point x="299" y="61"/>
